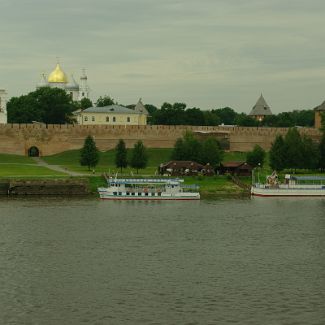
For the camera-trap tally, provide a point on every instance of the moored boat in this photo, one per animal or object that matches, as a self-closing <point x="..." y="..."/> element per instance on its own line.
<point x="148" y="189"/>
<point x="293" y="186"/>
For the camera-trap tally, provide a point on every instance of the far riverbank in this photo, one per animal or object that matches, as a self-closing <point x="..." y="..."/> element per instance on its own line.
<point x="210" y="187"/>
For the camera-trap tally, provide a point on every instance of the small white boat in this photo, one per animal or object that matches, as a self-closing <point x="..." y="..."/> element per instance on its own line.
<point x="148" y="189"/>
<point x="293" y="186"/>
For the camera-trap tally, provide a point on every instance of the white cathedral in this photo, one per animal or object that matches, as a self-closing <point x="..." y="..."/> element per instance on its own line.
<point x="57" y="78"/>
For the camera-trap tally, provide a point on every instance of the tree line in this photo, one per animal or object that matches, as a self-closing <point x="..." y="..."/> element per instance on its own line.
<point x="55" y="106"/>
<point x="89" y="155"/>
<point x="296" y="151"/>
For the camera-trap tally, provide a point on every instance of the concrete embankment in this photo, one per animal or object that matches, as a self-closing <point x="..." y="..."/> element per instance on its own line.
<point x="44" y="187"/>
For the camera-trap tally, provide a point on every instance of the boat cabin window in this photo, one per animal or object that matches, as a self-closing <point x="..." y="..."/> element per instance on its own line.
<point x="159" y="194"/>
<point x="139" y="194"/>
<point x="133" y="193"/>
<point x="146" y="194"/>
<point x="127" y="193"/>
<point x="114" y="193"/>
<point x="119" y="193"/>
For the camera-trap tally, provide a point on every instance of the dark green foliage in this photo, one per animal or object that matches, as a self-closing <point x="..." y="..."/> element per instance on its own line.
<point x="121" y="155"/>
<point x="45" y="105"/>
<point x="245" y="120"/>
<point x="139" y="158"/>
<point x="211" y="118"/>
<point x="192" y="147"/>
<point x="85" y="103"/>
<point x="277" y="154"/>
<point x="178" y="152"/>
<point x="322" y="153"/>
<point x="293" y="149"/>
<point x="189" y="148"/>
<point x="226" y="115"/>
<point x="290" y="119"/>
<point x="211" y="152"/>
<point x="256" y="157"/>
<point x="104" y="101"/>
<point x="82" y="104"/>
<point x="310" y="153"/>
<point x="89" y="155"/>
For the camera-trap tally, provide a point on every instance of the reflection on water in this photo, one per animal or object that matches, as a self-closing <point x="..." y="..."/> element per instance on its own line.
<point x="86" y="261"/>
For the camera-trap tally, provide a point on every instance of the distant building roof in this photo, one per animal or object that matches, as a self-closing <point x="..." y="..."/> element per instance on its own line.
<point x="261" y="108"/>
<point x="236" y="164"/>
<point x="321" y="107"/>
<point x="116" y="109"/>
<point x="182" y="164"/>
<point x="140" y="108"/>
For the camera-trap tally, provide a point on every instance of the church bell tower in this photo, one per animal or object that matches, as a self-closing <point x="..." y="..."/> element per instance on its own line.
<point x="83" y="86"/>
<point x="3" y="106"/>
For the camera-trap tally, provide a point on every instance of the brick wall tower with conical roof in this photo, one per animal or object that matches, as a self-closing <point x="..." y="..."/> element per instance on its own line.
<point x="260" y="109"/>
<point x="319" y="112"/>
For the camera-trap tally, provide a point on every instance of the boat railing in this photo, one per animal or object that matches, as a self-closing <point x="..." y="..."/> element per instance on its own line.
<point x="171" y="181"/>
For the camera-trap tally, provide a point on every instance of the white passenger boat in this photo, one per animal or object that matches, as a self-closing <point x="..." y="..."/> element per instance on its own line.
<point x="148" y="189"/>
<point x="293" y="186"/>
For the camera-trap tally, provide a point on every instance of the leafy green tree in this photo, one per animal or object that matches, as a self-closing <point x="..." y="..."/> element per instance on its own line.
<point x="89" y="154"/>
<point x="210" y="118"/>
<point x="82" y="104"/>
<point x="178" y="150"/>
<point x="310" y="153"/>
<point x="45" y="105"/>
<point x="85" y="103"/>
<point x="192" y="147"/>
<point x="139" y="158"/>
<point x="226" y="115"/>
<point x="322" y="153"/>
<point x="211" y="152"/>
<point x="293" y="149"/>
<point x="256" y="157"/>
<point x="277" y="154"/>
<point x="104" y="101"/>
<point x="245" y="120"/>
<point x="121" y="155"/>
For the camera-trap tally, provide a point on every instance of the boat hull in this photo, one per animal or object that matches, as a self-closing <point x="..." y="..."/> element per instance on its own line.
<point x="151" y="199"/>
<point x="287" y="192"/>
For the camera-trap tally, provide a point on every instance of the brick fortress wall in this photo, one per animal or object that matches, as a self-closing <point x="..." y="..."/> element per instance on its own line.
<point x="52" y="139"/>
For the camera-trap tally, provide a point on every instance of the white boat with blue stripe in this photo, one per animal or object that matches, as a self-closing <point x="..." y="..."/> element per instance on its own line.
<point x="148" y="189"/>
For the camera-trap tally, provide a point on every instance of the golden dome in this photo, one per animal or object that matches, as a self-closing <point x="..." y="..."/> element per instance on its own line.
<point x="57" y="76"/>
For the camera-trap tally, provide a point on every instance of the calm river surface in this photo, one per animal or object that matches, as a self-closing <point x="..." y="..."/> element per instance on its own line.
<point x="85" y="261"/>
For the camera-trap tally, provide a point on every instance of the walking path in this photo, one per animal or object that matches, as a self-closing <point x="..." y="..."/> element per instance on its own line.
<point x="40" y="162"/>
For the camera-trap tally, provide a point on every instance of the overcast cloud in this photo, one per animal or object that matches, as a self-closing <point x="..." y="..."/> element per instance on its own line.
<point x="207" y="53"/>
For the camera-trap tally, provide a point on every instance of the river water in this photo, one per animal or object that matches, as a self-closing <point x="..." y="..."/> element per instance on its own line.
<point x="85" y="261"/>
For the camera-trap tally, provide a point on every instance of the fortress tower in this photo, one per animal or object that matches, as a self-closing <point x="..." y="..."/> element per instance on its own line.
<point x="3" y="106"/>
<point x="260" y="109"/>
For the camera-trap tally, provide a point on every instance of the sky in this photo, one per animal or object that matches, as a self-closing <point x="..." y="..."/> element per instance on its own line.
<point x="207" y="53"/>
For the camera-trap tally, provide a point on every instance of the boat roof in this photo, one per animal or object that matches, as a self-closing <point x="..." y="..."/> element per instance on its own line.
<point x="309" y="178"/>
<point x="173" y="181"/>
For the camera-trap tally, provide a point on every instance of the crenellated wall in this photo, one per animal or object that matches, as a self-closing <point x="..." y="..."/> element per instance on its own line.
<point x="52" y="139"/>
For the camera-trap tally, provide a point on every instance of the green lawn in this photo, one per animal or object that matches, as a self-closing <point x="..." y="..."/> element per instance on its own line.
<point x="21" y="170"/>
<point x="15" y="159"/>
<point x="70" y="160"/>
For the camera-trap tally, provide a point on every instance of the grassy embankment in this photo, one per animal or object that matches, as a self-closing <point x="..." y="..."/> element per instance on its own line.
<point x="22" y="167"/>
